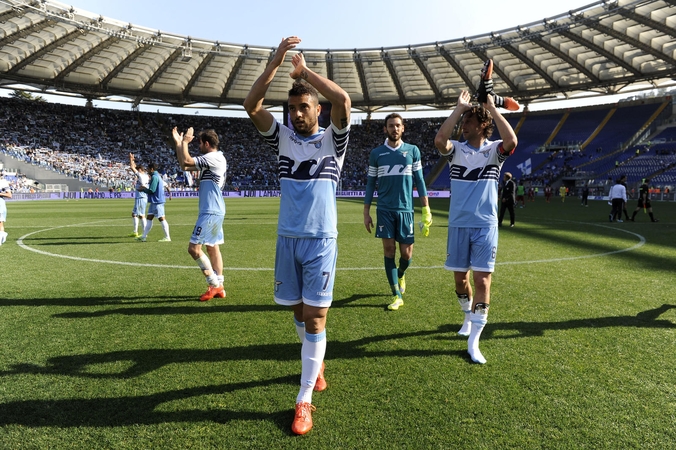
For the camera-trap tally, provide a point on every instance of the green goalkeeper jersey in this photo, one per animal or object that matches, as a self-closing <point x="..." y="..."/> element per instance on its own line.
<point x="395" y="171"/>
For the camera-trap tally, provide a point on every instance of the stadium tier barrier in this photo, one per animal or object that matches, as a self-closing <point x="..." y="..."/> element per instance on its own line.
<point x="180" y="194"/>
<point x="18" y="196"/>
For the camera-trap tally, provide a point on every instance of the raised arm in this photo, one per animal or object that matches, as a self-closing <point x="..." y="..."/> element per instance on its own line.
<point x="132" y="164"/>
<point x="507" y="134"/>
<point x="185" y="161"/>
<point x="442" y="139"/>
<point x="253" y="103"/>
<point x="340" y="101"/>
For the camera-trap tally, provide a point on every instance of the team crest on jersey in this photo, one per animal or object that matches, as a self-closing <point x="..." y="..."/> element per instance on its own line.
<point x="404" y="154"/>
<point x="318" y="144"/>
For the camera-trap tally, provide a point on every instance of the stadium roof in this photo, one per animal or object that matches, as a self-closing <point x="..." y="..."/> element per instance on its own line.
<point x="606" y="47"/>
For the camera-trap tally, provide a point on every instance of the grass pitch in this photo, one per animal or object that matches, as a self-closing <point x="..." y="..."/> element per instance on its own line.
<point x="103" y="343"/>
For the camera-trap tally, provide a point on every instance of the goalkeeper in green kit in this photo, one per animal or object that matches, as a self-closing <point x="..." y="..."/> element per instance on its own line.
<point x="395" y="167"/>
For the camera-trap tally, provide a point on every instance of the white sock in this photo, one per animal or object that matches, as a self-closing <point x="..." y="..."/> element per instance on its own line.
<point x="3" y="237"/>
<point x="143" y="222"/>
<point x="466" y="306"/>
<point x="146" y="228"/>
<point x="205" y="264"/>
<point x="135" y="220"/>
<point x="165" y="227"/>
<point x="312" y="355"/>
<point x="221" y="279"/>
<point x="300" y="329"/>
<point x="479" y="319"/>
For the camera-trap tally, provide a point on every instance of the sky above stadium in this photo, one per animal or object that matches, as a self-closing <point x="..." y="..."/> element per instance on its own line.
<point x="326" y="24"/>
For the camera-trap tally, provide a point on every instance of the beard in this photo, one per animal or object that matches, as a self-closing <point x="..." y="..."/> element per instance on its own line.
<point x="393" y="137"/>
<point x="304" y="126"/>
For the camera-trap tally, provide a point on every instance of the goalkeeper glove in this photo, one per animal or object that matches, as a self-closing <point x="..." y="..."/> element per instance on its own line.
<point x="426" y="221"/>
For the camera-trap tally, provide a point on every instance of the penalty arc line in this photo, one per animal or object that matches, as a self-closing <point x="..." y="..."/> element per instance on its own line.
<point x="21" y="244"/>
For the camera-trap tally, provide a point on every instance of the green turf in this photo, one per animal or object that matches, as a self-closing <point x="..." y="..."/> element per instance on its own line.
<point x="103" y="343"/>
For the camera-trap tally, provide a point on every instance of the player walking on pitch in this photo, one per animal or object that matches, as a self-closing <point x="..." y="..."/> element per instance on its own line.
<point x="310" y="161"/>
<point x="156" y="199"/>
<point x="138" y="214"/>
<point x="473" y="217"/>
<point x="394" y="167"/>
<point x="208" y="230"/>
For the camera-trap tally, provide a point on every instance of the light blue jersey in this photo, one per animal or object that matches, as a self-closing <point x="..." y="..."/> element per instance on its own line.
<point x="475" y="174"/>
<point x="212" y="167"/>
<point x="309" y="170"/>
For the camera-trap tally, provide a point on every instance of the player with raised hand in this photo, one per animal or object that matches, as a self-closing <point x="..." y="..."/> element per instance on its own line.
<point x="208" y="231"/>
<point x="5" y="192"/>
<point x="395" y="167"/>
<point x="310" y="161"/>
<point x="138" y="213"/>
<point x="473" y="216"/>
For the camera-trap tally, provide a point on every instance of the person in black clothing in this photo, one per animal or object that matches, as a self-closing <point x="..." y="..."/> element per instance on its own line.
<point x="644" y="201"/>
<point x="508" y="199"/>
<point x="623" y="180"/>
<point x="585" y="194"/>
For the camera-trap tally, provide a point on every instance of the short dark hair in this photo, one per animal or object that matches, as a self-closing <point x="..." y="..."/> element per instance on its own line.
<point x="483" y="116"/>
<point x="301" y="87"/>
<point x="209" y="136"/>
<point x="152" y="166"/>
<point x="394" y="116"/>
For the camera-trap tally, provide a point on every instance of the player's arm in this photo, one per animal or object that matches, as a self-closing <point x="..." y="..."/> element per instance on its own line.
<point x="340" y="101"/>
<point x="152" y="187"/>
<point x="442" y="139"/>
<point x="368" y="194"/>
<point x="507" y="134"/>
<point x="181" y="140"/>
<point x="6" y="193"/>
<point x="132" y="164"/>
<point x="253" y="103"/>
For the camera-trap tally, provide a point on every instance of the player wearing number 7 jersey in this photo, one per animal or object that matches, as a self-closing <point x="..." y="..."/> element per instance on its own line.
<point x="310" y="159"/>
<point x="208" y="230"/>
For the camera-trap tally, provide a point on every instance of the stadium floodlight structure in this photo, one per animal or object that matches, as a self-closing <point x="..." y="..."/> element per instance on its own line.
<point x="607" y="47"/>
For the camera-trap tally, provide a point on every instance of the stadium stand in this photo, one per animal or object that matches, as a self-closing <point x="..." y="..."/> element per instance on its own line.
<point x="93" y="144"/>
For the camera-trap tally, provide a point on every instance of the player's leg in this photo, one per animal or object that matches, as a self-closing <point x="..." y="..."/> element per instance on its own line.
<point x="405" y="237"/>
<point x="650" y="211"/>
<point x="405" y="257"/>
<point x="458" y="261"/>
<point x="163" y="223"/>
<point x="152" y="211"/>
<point x="386" y="230"/>
<point x="3" y="218"/>
<point x="318" y="258"/>
<point x="483" y="250"/>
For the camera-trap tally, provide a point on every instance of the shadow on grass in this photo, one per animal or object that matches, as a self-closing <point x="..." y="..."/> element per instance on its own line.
<point x="95" y="301"/>
<point x="211" y="307"/>
<point x="145" y="409"/>
<point x="140" y="409"/>
<point x="143" y="361"/>
<point x="645" y="319"/>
